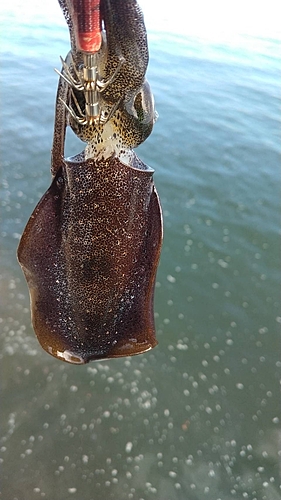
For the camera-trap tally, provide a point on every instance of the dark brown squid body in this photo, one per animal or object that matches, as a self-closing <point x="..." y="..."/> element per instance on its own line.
<point x="90" y="252"/>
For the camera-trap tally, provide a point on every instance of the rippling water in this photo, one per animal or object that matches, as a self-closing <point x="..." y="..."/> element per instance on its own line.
<point x="199" y="416"/>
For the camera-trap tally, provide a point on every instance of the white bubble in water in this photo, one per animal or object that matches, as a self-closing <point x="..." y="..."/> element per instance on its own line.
<point x="128" y="447"/>
<point x="240" y="386"/>
<point x="171" y="279"/>
<point x="222" y="263"/>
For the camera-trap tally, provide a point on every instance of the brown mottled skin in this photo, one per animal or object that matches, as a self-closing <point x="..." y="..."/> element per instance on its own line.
<point x="90" y="249"/>
<point x="125" y="38"/>
<point x="89" y="253"/>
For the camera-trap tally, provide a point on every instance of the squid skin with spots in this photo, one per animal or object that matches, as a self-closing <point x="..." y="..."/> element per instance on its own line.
<point x="91" y="247"/>
<point x="89" y="253"/>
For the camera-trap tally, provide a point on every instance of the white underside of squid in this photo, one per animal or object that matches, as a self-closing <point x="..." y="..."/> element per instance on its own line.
<point x="109" y="146"/>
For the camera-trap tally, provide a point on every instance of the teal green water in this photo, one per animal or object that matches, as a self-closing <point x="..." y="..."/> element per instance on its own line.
<point x="199" y="416"/>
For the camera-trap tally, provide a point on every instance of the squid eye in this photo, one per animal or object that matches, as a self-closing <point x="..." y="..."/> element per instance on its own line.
<point x="60" y="182"/>
<point x="59" y="179"/>
<point x="141" y="105"/>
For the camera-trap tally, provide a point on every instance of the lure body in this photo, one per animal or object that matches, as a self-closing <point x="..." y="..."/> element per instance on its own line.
<point x="86" y="23"/>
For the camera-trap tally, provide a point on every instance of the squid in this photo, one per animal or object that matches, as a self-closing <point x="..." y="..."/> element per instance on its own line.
<point x="91" y="247"/>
